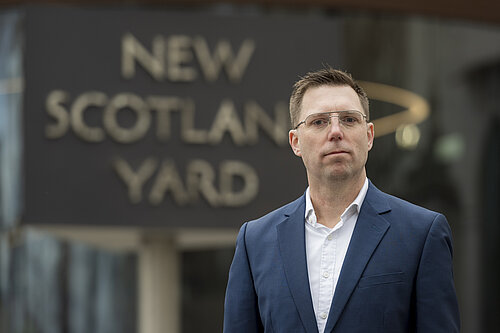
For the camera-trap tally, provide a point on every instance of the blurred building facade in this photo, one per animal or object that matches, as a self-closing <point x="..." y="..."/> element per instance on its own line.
<point x="119" y="277"/>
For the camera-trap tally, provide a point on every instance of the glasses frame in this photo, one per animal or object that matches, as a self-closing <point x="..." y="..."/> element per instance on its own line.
<point x="330" y="113"/>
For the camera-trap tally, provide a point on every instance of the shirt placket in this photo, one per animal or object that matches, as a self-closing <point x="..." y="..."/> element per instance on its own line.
<point x="328" y="257"/>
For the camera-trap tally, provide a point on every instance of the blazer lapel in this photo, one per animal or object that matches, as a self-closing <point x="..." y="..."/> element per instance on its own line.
<point x="369" y="231"/>
<point x="291" y="240"/>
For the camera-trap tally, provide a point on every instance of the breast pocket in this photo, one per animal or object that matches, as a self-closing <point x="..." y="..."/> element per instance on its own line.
<point x="373" y="280"/>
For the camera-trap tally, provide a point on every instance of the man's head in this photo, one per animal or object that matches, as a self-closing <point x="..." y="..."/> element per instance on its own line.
<point x="330" y="131"/>
<point x="323" y="77"/>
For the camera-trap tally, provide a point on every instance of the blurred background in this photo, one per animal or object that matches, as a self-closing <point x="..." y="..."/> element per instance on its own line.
<point x="136" y="137"/>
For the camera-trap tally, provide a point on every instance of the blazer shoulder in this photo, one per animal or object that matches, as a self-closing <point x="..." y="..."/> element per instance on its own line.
<point x="406" y="206"/>
<point x="264" y="223"/>
<point x="404" y="211"/>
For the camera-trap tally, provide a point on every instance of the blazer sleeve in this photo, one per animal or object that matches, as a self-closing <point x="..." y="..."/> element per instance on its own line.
<point x="241" y="312"/>
<point x="436" y="300"/>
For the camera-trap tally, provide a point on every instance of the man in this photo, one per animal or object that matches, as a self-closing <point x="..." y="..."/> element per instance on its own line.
<point x="344" y="257"/>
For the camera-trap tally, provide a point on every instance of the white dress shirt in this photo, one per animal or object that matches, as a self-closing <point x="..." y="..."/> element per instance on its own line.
<point x="326" y="249"/>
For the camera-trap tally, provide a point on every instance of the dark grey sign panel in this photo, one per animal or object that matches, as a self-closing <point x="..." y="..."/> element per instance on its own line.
<point x="157" y="118"/>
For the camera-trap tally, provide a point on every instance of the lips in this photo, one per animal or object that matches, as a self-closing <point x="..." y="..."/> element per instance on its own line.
<point x="336" y="152"/>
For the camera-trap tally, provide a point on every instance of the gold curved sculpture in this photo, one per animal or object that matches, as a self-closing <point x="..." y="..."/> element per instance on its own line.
<point x="416" y="110"/>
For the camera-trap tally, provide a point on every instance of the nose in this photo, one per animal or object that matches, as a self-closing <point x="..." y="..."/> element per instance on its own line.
<point x="335" y="129"/>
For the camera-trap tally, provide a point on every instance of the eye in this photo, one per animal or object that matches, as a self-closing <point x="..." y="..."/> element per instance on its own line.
<point x="349" y="119"/>
<point x="317" y="122"/>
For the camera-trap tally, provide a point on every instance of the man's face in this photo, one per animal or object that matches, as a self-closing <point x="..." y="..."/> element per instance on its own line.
<point x="336" y="152"/>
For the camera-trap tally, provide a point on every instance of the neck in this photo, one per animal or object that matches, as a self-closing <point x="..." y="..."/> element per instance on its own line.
<point x="331" y="199"/>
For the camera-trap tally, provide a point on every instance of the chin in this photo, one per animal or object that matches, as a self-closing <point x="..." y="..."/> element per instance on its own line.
<point x="338" y="175"/>
<point x="341" y="173"/>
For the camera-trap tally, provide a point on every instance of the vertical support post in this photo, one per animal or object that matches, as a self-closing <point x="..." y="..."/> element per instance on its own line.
<point x="159" y="286"/>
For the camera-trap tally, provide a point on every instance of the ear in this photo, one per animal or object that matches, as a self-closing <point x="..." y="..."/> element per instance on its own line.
<point x="293" y="139"/>
<point x="370" y="132"/>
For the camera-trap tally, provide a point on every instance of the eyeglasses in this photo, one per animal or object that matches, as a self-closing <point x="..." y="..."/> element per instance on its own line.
<point x="320" y="121"/>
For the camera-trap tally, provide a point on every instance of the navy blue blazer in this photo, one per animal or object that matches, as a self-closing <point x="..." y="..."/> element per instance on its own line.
<point x="397" y="275"/>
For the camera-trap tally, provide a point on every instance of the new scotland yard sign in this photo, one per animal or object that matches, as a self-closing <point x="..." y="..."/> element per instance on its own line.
<point x="142" y="118"/>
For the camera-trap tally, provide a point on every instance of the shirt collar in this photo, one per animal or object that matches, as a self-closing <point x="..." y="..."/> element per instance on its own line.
<point x="310" y="215"/>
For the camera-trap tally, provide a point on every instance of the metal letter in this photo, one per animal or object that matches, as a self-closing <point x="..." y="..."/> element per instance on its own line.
<point x="82" y="103"/>
<point x="201" y="178"/>
<point x="135" y="181"/>
<point x="227" y="120"/>
<point x="163" y="106"/>
<point x="153" y="63"/>
<point x="179" y="53"/>
<point x="134" y="103"/>
<point x="168" y="179"/>
<point x="54" y="108"/>
<point x="223" y="57"/>
<point x="228" y="171"/>
<point x="188" y="132"/>
<point x="256" y="117"/>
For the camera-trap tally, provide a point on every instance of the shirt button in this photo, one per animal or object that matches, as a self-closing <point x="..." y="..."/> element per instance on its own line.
<point x="326" y="275"/>
<point x="330" y="237"/>
<point x="323" y="315"/>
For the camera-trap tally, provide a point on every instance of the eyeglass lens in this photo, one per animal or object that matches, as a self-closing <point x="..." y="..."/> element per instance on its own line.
<point x="322" y="120"/>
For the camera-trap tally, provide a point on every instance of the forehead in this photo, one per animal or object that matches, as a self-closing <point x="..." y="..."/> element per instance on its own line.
<point x="330" y="98"/>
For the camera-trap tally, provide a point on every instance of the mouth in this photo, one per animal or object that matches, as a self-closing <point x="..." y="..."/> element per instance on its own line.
<point x="336" y="152"/>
